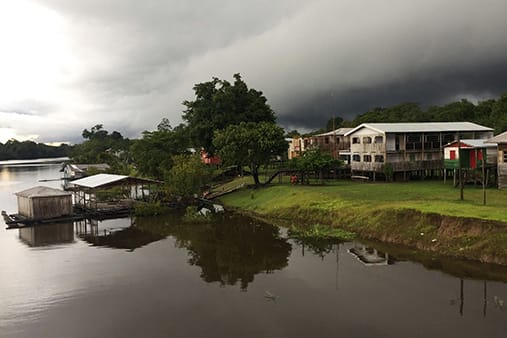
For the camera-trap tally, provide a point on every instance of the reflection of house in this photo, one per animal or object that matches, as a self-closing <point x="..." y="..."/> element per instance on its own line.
<point x="75" y="171"/>
<point x="501" y="140"/>
<point x="407" y="147"/>
<point x="333" y="141"/>
<point x="369" y="256"/>
<point x="117" y="234"/>
<point x="44" y="203"/>
<point x="47" y="234"/>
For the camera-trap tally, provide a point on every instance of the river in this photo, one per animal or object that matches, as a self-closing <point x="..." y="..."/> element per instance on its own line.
<point x="234" y="277"/>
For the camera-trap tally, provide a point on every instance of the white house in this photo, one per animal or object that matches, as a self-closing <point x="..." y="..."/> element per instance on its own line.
<point x="406" y="147"/>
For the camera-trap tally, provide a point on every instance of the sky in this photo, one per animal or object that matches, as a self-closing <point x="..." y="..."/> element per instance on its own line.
<point x="69" y="65"/>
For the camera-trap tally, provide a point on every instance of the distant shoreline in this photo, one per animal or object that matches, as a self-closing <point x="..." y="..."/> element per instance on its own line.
<point x="33" y="161"/>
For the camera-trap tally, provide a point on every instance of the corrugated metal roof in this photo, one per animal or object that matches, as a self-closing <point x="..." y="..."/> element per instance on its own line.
<point x="339" y="131"/>
<point x="98" y="180"/>
<point x="500" y="138"/>
<point x="41" y="191"/>
<point x="84" y="167"/>
<point x="475" y="143"/>
<point x="421" y="127"/>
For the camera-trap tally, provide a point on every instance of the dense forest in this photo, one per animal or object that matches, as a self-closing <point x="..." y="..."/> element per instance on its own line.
<point x="15" y="150"/>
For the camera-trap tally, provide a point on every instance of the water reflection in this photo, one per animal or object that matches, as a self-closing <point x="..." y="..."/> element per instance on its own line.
<point x="117" y="234"/>
<point x="232" y="249"/>
<point x="47" y="234"/>
<point x="369" y="255"/>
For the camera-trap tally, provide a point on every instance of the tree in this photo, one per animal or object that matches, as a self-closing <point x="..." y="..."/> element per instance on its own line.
<point x="219" y="104"/>
<point x="314" y="160"/>
<point x="251" y="144"/>
<point x="152" y="154"/>
<point x="188" y="175"/>
<point x="100" y="146"/>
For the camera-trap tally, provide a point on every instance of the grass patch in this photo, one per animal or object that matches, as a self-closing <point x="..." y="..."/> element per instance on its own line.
<point x="319" y="231"/>
<point x="434" y="197"/>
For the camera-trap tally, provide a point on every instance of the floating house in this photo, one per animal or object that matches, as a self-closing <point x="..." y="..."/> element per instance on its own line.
<point x="76" y="171"/>
<point x="44" y="203"/>
<point x="501" y="140"/>
<point x="406" y="147"/>
<point x="103" y="192"/>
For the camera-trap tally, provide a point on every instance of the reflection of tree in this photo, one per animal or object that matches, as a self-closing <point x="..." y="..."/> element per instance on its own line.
<point x="231" y="249"/>
<point x="319" y="246"/>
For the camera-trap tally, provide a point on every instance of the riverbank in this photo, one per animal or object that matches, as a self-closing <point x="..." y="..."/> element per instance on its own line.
<point x="427" y="216"/>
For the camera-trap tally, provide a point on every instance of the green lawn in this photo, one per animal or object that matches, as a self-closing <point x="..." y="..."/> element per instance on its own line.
<point x="424" y="196"/>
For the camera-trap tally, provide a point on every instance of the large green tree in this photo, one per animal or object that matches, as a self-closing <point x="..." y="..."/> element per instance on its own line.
<point x="153" y="152"/>
<point x="218" y="104"/>
<point x="250" y="143"/>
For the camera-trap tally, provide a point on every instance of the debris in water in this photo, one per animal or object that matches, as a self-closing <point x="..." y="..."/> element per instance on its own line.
<point x="498" y="302"/>
<point x="270" y="296"/>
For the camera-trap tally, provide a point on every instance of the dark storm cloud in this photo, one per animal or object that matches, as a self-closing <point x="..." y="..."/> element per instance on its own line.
<point x="478" y="84"/>
<point x="136" y="61"/>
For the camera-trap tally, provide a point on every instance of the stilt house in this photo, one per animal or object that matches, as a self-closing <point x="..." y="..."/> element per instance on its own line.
<point x="404" y="148"/>
<point x="501" y="140"/>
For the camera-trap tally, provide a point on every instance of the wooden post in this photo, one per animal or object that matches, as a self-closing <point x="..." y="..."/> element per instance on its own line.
<point x="483" y="178"/>
<point x="460" y="169"/>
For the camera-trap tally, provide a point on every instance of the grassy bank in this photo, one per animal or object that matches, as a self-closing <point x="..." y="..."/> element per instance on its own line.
<point x="426" y="215"/>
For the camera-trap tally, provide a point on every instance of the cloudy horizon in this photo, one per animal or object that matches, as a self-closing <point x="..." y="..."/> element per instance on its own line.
<point x="68" y="65"/>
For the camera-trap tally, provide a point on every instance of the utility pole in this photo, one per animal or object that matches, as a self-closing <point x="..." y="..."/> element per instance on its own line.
<point x="460" y="169"/>
<point x="484" y="155"/>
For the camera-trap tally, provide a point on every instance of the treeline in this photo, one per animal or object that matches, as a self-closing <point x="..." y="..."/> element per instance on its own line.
<point x="490" y="113"/>
<point x="26" y="150"/>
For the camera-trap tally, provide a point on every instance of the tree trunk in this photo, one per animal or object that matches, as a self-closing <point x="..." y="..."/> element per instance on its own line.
<point x="255" y="174"/>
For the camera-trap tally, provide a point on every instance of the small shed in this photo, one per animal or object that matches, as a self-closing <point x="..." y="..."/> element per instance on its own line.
<point x="44" y="203"/>
<point x="468" y="154"/>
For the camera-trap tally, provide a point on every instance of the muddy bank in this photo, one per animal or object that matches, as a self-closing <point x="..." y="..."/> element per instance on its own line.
<point x="459" y="237"/>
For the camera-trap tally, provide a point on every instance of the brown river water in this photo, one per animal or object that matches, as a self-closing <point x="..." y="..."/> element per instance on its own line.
<point x="233" y="277"/>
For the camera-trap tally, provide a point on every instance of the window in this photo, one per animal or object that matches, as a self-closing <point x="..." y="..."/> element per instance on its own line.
<point x="413" y="138"/>
<point x="505" y="156"/>
<point x="326" y="140"/>
<point x="379" y="139"/>
<point x="379" y="158"/>
<point x="429" y="156"/>
<point x="356" y="158"/>
<point x="367" y="158"/>
<point x="366" y="140"/>
<point x="355" y="140"/>
<point x="412" y="157"/>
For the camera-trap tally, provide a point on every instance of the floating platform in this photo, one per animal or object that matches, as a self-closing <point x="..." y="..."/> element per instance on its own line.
<point x="16" y="221"/>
